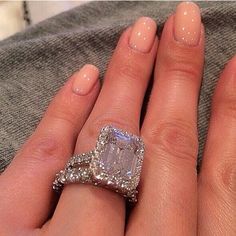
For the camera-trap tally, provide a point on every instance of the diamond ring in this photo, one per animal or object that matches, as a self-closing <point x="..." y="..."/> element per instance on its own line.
<point x="115" y="164"/>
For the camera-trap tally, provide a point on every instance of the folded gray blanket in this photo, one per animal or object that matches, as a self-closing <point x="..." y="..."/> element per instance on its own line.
<point x="36" y="62"/>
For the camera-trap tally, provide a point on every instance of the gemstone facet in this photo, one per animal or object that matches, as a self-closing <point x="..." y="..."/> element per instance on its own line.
<point x="118" y="158"/>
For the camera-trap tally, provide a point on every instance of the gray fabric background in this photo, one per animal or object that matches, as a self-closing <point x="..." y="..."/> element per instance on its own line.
<point x="35" y="63"/>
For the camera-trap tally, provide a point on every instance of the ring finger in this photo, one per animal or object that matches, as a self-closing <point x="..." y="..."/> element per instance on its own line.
<point x="118" y="104"/>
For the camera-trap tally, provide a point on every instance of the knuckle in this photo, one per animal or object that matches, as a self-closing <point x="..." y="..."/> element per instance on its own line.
<point x="183" y="71"/>
<point x="182" y="65"/>
<point x="175" y="138"/>
<point x="63" y="114"/>
<point x="230" y="108"/>
<point x="94" y="127"/>
<point x="44" y="149"/>
<point x="130" y="69"/>
<point x="227" y="104"/>
<point x="222" y="179"/>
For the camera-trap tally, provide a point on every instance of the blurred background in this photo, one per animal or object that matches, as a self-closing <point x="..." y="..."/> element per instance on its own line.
<point x="15" y="16"/>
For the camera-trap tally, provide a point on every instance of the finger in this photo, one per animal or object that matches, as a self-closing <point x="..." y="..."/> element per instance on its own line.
<point x="118" y="104"/>
<point x="217" y="180"/>
<point x="26" y="186"/>
<point x="168" y="183"/>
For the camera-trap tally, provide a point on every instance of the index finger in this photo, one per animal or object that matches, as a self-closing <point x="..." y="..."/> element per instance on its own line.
<point x="26" y="185"/>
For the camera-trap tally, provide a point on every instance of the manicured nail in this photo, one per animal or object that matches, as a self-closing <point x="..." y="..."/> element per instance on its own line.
<point x="187" y="25"/>
<point x="85" y="79"/>
<point x="143" y="34"/>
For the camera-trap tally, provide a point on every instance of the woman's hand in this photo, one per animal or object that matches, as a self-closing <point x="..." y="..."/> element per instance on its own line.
<point x="171" y="200"/>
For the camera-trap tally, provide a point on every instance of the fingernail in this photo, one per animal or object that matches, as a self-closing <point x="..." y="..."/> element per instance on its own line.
<point x="143" y="34"/>
<point x="85" y="79"/>
<point x="187" y="25"/>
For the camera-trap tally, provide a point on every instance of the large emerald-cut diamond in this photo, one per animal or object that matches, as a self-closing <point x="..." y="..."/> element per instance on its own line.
<point x="118" y="157"/>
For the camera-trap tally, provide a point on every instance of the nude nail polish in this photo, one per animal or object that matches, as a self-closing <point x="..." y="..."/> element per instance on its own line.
<point x="85" y="79"/>
<point x="143" y="34"/>
<point x="187" y="23"/>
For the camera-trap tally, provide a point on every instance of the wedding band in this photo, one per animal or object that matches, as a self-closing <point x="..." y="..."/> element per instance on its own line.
<point x="115" y="164"/>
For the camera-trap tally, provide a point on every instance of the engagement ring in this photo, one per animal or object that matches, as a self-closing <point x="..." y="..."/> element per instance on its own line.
<point x="115" y="164"/>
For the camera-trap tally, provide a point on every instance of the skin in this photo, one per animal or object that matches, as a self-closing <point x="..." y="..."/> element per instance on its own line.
<point x="172" y="199"/>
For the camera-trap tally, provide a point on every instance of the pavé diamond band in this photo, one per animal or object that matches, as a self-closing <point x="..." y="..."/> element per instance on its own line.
<point x="115" y="163"/>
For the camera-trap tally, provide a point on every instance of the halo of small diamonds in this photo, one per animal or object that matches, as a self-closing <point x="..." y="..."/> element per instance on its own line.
<point x="124" y="181"/>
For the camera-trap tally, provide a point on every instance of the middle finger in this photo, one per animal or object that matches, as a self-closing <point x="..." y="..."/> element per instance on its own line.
<point x="96" y="211"/>
<point x="167" y="200"/>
